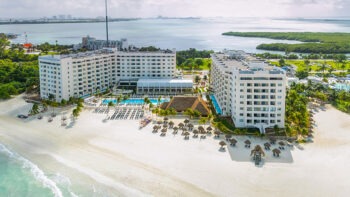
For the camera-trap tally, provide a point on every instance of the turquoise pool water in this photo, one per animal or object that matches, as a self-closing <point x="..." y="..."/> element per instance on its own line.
<point x="216" y="105"/>
<point x="134" y="101"/>
<point x="341" y="86"/>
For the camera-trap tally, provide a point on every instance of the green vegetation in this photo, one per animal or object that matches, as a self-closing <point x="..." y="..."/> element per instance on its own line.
<point x="297" y="119"/>
<point x="317" y="42"/>
<point x="193" y="59"/>
<point x="192" y="113"/>
<point x="325" y="67"/>
<point x="297" y="115"/>
<point x="149" y="49"/>
<point x="54" y="48"/>
<point x="164" y="112"/>
<point x="78" y="109"/>
<point x="34" y="110"/>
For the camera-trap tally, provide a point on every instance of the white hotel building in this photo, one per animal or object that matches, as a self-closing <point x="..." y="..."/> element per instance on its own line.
<point x="82" y="74"/>
<point x="248" y="90"/>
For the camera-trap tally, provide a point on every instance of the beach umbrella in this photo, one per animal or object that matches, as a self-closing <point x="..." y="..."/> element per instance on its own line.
<point x="247" y="142"/>
<point x="175" y="128"/>
<point x="217" y="133"/>
<point x="201" y="128"/>
<point x="165" y="118"/>
<point x="159" y="122"/>
<point x="276" y="152"/>
<point x="195" y="132"/>
<point x="190" y="126"/>
<point x="186" y="121"/>
<point x="267" y="146"/>
<point x="171" y="124"/>
<point x="186" y="134"/>
<point x="222" y="144"/>
<point x="209" y="129"/>
<point x="228" y="136"/>
<point x="181" y="125"/>
<point x="165" y="126"/>
<point x="272" y="140"/>
<point x="233" y="141"/>
<point x="155" y="127"/>
<point x="281" y="144"/>
<point x="164" y="130"/>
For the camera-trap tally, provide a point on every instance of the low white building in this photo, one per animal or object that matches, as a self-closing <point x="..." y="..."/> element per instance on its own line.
<point x="250" y="91"/>
<point x="164" y="86"/>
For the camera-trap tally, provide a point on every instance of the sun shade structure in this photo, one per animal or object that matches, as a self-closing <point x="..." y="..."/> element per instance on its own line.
<point x="181" y="103"/>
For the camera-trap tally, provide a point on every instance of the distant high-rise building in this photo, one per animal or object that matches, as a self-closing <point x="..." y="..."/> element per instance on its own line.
<point x="91" y="43"/>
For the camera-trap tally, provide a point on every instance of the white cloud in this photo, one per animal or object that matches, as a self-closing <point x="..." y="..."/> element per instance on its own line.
<point x="151" y="8"/>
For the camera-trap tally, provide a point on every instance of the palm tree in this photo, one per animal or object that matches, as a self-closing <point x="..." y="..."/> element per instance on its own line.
<point x="75" y="113"/>
<point x="35" y="109"/>
<point x="257" y="151"/>
<point x="222" y="144"/>
<point x="53" y="105"/>
<point x="202" y="120"/>
<point x="159" y="99"/>
<point x="110" y="104"/>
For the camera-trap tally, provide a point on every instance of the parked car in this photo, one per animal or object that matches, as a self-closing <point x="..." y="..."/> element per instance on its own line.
<point x="22" y="116"/>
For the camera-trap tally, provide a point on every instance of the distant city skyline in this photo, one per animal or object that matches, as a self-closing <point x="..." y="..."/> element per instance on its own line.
<point x="175" y="8"/>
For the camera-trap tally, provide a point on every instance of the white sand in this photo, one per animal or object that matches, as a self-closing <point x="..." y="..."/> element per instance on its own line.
<point x="125" y="161"/>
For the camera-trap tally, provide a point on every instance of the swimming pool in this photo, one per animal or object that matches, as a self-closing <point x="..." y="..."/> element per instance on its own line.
<point x="134" y="101"/>
<point x="342" y="86"/>
<point x="216" y="105"/>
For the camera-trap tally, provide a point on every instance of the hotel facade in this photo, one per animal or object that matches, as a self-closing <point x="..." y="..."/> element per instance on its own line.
<point x="82" y="74"/>
<point x="248" y="90"/>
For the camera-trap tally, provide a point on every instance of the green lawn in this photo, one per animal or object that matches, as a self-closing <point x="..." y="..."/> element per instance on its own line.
<point x="205" y="66"/>
<point x="316" y="65"/>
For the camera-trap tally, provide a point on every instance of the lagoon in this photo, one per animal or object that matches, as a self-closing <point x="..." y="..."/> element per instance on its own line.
<point x="203" y="33"/>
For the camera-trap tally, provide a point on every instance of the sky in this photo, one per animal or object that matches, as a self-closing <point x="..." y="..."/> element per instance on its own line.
<point x="176" y="8"/>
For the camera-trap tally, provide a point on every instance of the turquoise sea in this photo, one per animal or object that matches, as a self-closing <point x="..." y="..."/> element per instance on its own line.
<point x="20" y="177"/>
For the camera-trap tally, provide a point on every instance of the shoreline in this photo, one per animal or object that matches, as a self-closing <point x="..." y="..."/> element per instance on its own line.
<point x="121" y="160"/>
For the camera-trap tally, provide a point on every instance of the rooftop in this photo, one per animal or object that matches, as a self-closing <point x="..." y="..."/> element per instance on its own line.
<point x="238" y="60"/>
<point x="181" y="103"/>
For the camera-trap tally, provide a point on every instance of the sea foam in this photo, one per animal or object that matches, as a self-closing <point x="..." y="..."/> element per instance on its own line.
<point x="38" y="174"/>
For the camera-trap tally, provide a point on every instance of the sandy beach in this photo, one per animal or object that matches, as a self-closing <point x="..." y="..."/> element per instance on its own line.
<point x="117" y="159"/>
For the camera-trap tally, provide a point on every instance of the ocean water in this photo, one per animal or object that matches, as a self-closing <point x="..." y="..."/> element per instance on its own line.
<point x="204" y="33"/>
<point x="20" y="177"/>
